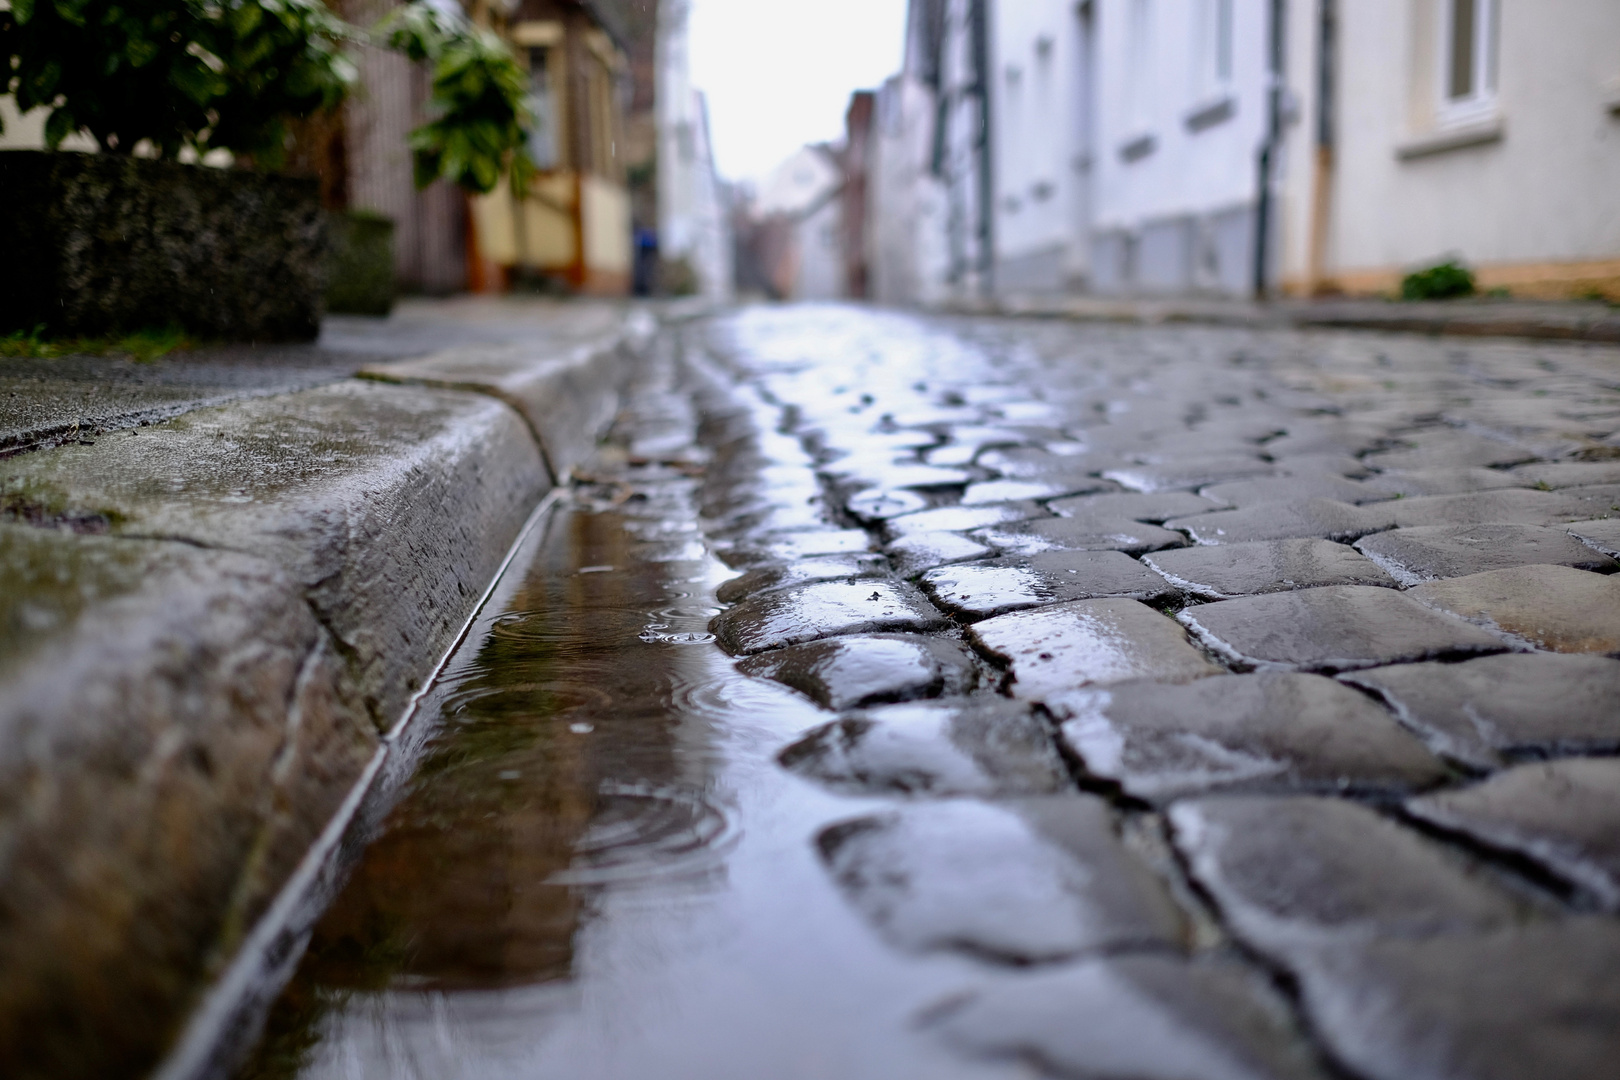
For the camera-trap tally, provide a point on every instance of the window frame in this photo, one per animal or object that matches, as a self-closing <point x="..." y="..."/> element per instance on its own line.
<point x="1480" y="103"/>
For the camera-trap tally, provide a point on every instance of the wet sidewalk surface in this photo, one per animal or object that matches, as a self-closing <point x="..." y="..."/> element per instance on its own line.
<point x="925" y="698"/>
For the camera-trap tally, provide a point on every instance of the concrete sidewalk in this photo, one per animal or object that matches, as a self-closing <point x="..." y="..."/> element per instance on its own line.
<point x="223" y="576"/>
<point x="1479" y="317"/>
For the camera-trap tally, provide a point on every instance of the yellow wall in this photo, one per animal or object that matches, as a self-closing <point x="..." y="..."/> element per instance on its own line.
<point x="606" y="214"/>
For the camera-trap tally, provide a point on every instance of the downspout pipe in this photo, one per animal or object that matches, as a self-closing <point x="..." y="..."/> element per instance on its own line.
<point x="981" y="75"/>
<point x="1264" y="203"/>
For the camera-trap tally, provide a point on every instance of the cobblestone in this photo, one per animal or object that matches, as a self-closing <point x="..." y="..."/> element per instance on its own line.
<point x="1324" y="519"/>
<point x="1148" y="1017"/>
<point x="801" y="572"/>
<point x="917" y="552"/>
<point x="1292" y="875"/>
<point x="989" y="747"/>
<point x="1566" y="474"/>
<point x="1062" y="647"/>
<point x="1284" y="489"/>
<point x="1079" y="534"/>
<point x="1563" y="814"/>
<point x="1498" y="708"/>
<point x="1552" y="607"/>
<point x="979" y="590"/>
<point x="961" y="518"/>
<point x="1337" y="752"/>
<point x="824" y="609"/>
<point x="1134" y="506"/>
<point x="1514" y="1005"/>
<point x="1335" y="628"/>
<point x="1427" y="553"/>
<point x="1233" y="570"/>
<point x="1445" y="481"/>
<point x="849" y="672"/>
<point x="1278" y="732"/>
<point x="1601" y="535"/>
<point x="1506" y="506"/>
<point x="1018" y="882"/>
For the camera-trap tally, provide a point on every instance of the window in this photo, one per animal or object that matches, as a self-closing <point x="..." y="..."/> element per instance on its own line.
<point x="544" y="143"/>
<point x="1468" y="68"/>
<point x="1223" y="41"/>
<point x="1139" y="58"/>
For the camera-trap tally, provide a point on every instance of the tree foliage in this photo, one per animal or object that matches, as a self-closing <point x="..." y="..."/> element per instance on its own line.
<point x="479" y="104"/>
<point x="204" y="74"/>
<point x="227" y="74"/>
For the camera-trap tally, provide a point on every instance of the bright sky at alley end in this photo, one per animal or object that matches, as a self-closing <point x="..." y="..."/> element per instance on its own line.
<point x="778" y="73"/>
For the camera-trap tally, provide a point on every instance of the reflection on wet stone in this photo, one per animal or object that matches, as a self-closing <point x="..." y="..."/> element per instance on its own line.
<point x="824" y="609"/>
<point x="960" y="518"/>
<point x="1294" y="874"/>
<point x="800" y="572"/>
<point x="977" y="746"/>
<point x="1274" y="731"/>
<point x="1079" y="534"/>
<point x="1018" y="882"/>
<point x="1135" y="506"/>
<point x="916" y="552"/>
<point x="1148" y="1017"/>
<point x="1232" y="570"/>
<point x="979" y="590"/>
<point x="1522" y="1003"/>
<point x="1062" y="647"/>
<point x="848" y="672"/>
<point x="1115" y="854"/>
<point x="1336" y="628"/>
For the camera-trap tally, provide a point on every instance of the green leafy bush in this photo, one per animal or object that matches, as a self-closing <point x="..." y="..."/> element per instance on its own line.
<point x="226" y="74"/>
<point x="1440" y="282"/>
<point x="361" y="281"/>
<point x="479" y="100"/>
<point x="198" y="74"/>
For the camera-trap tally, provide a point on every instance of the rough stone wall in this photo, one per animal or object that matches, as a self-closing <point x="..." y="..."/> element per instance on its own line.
<point x="98" y="244"/>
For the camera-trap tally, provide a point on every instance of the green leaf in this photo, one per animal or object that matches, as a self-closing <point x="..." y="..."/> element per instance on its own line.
<point x="58" y="126"/>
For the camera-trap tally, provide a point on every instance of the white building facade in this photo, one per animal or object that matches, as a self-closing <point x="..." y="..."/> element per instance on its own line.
<point x="1487" y="130"/>
<point x="1225" y="147"/>
<point x="693" y="220"/>
<point x="799" y="201"/>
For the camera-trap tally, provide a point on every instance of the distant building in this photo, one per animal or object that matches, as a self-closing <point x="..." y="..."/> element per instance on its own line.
<point x="694" y="225"/>
<point x="906" y="198"/>
<point x="797" y="240"/>
<point x="1486" y="129"/>
<point x="573" y="224"/>
<point x="1220" y="147"/>
<point x="854" y="201"/>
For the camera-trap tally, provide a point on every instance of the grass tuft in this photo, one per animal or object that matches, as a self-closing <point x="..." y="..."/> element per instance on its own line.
<point x="143" y="346"/>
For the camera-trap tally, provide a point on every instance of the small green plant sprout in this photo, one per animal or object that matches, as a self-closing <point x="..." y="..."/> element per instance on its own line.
<point x="1443" y="281"/>
<point x="143" y="346"/>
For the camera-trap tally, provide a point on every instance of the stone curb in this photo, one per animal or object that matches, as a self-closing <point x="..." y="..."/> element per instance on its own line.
<point x="203" y="652"/>
<point x="1574" y="321"/>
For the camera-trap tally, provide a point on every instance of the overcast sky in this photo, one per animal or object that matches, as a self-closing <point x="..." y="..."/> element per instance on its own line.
<point x="778" y="73"/>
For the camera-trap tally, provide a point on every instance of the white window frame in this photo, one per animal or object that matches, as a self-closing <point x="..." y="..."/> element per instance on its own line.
<point x="1480" y="102"/>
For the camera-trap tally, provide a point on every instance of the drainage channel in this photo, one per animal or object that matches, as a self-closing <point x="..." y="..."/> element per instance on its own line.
<point x="599" y="869"/>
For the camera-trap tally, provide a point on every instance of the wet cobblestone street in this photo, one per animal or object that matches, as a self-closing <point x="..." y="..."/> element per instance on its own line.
<point x="924" y="697"/>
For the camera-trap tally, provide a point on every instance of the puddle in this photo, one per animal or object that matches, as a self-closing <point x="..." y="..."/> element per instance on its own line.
<point x="599" y="869"/>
